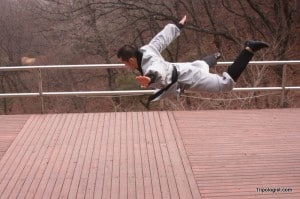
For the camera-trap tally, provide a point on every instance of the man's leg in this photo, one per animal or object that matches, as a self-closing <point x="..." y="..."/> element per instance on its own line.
<point x="242" y="60"/>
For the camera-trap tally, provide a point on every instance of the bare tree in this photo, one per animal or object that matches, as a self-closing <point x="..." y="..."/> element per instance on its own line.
<point x="93" y="30"/>
<point x="15" y="39"/>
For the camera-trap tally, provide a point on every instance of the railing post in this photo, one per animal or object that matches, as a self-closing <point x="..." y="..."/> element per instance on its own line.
<point x="283" y="84"/>
<point x="41" y="90"/>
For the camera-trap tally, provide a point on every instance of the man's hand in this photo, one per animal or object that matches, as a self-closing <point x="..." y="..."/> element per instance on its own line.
<point x="182" y="21"/>
<point x="143" y="81"/>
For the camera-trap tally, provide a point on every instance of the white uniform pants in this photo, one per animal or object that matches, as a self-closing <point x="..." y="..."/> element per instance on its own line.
<point x="195" y="76"/>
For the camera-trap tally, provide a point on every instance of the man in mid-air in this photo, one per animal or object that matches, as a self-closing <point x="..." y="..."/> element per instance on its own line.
<point x="170" y="78"/>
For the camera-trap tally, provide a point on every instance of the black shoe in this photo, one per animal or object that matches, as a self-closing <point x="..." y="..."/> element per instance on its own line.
<point x="256" y="45"/>
<point x="211" y="60"/>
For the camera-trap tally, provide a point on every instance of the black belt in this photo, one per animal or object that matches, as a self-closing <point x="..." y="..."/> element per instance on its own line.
<point x="161" y="91"/>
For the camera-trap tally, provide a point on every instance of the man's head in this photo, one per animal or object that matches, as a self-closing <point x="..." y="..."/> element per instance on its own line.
<point x="127" y="55"/>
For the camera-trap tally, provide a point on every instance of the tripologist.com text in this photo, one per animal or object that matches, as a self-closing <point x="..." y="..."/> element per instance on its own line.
<point x="274" y="190"/>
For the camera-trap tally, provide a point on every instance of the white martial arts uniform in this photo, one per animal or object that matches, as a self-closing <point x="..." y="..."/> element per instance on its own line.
<point x="194" y="76"/>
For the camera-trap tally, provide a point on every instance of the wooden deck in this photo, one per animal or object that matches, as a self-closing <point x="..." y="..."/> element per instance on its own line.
<point x="203" y="154"/>
<point x="234" y="154"/>
<point x="10" y="126"/>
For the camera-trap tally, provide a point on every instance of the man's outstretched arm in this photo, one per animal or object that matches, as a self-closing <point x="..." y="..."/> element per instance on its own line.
<point x="144" y="81"/>
<point x="167" y="35"/>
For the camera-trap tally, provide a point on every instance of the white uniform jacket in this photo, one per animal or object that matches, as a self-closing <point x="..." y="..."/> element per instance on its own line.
<point x="193" y="76"/>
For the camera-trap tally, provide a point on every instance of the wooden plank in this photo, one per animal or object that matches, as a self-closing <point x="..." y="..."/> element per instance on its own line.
<point x="102" y="157"/>
<point x="184" y="158"/>
<point x="144" y="157"/>
<point x="12" y="152"/>
<point x="70" y="179"/>
<point x="166" y="156"/>
<point x="115" y="184"/>
<point x="86" y="169"/>
<point x="155" y="180"/>
<point x="33" y="164"/>
<point x="68" y="126"/>
<point x="243" y="151"/>
<point x="81" y="158"/>
<point x="25" y="148"/>
<point x="124" y="162"/>
<point x="176" y="161"/>
<point x="10" y="126"/>
<point x="99" y="120"/>
<point x="161" y="168"/>
<point x="49" y="163"/>
<point x="154" y="155"/>
<point x="61" y="162"/>
<point x="107" y="185"/>
<point x="131" y="176"/>
<point x="140" y="188"/>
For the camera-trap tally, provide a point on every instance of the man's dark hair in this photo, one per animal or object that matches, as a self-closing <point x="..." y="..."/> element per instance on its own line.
<point x="127" y="52"/>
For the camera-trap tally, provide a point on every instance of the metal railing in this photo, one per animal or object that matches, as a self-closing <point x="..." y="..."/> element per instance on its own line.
<point x="41" y="93"/>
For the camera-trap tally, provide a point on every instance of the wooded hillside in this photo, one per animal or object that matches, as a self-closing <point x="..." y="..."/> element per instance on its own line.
<point x="91" y="31"/>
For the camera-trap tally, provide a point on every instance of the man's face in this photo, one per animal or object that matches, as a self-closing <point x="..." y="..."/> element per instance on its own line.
<point x="131" y="63"/>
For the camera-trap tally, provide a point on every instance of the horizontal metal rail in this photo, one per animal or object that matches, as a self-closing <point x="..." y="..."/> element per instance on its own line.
<point x="267" y="88"/>
<point x="129" y="92"/>
<point x="5" y="95"/>
<point x="84" y="66"/>
<point x="102" y="93"/>
<point x="106" y="66"/>
<point x="287" y="62"/>
<point x="42" y="94"/>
